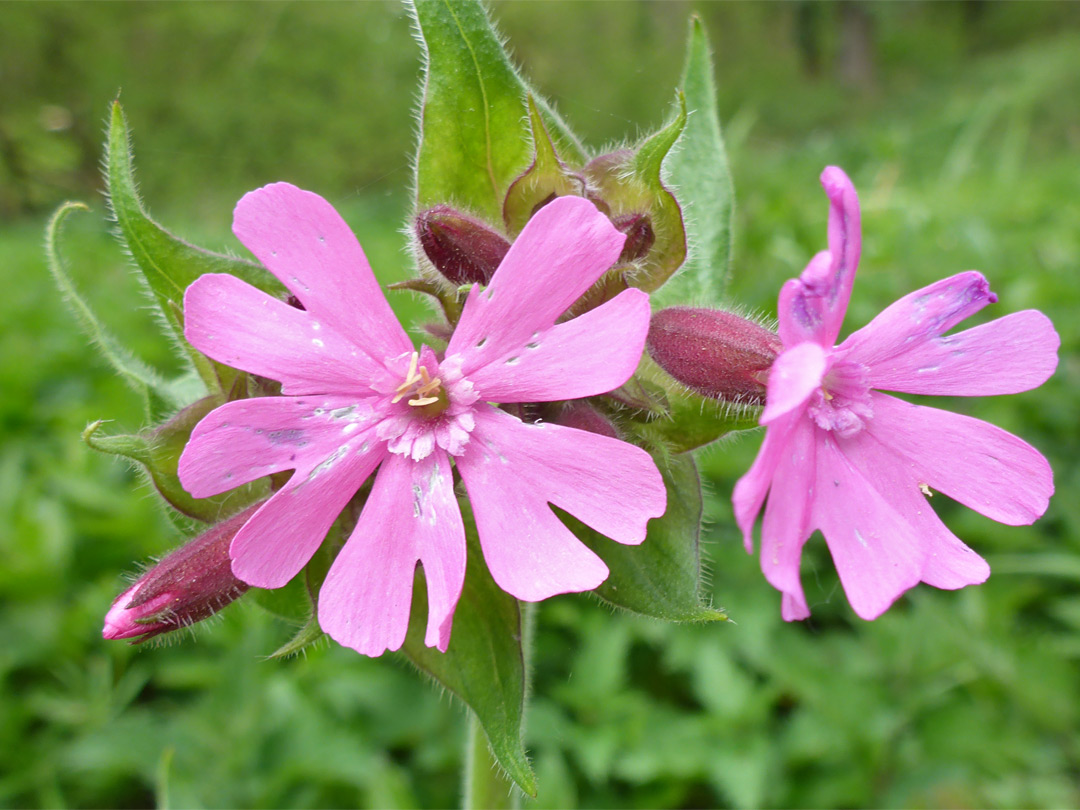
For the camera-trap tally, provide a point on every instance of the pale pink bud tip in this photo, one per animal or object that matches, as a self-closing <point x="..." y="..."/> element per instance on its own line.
<point x="462" y="248"/>
<point x="188" y="585"/>
<point x="715" y="353"/>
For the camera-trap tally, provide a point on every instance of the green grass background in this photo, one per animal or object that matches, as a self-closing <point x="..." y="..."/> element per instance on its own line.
<point x="965" y="146"/>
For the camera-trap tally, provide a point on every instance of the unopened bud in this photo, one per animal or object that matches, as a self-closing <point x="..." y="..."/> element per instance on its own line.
<point x="639" y="235"/>
<point x="717" y="354"/>
<point x="583" y="416"/>
<point x="462" y="248"/>
<point x="188" y="585"/>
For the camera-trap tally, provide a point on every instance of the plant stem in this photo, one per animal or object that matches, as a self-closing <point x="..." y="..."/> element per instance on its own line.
<point x="486" y="786"/>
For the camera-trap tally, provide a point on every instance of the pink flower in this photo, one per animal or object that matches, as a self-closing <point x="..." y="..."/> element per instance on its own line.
<point x="356" y="396"/>
<point x="857" y="464"/>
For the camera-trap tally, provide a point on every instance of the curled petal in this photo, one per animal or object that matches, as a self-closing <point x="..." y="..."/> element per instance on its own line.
<point x="234" y="323"/>
<point x="814" y="306"/>
<point x="513" y="471"/>
<point x="982" y="466"/>
<point x="564" y="248"/>
<point x="591" y="354"/>
<point x="411" y="516"/>
<point x="305" y="243"/>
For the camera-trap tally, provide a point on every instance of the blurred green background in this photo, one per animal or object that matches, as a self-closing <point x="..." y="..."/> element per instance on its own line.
<point x="960" y="124"/>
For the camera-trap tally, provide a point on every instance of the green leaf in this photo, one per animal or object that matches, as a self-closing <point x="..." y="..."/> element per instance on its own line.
<point x="159" y="398"/>
<point x="661" y="577"/>
<point x="632" y="183"/>
<point x="168" y="264"/>
<point x="484" y="664"/>
<point x="158" y="451"/>
<point x="474" y="136"/>
<point x="701" y="176"/>
<point x="547" y="176"/>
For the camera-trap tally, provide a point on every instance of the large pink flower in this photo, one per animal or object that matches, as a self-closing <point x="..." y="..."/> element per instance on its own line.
<point x="356" y="396"/>
<point x="857" y="464"/>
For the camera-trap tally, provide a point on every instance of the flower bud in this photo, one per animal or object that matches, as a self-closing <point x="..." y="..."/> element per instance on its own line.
<point x="188" y="585"/>
<point x="717" y="354"/>
<point x="462" y="248"/>
<point x="639" y="235"/>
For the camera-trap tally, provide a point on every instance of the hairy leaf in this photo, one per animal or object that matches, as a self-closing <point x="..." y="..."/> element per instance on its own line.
<point x="701" y="177"/>
<point x="167" y="263"/>
<point x="474" y="135"/>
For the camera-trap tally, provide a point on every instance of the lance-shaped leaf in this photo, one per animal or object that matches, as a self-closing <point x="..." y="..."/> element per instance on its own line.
<point x="631" y="183"/>
<point x="159" y="398"/>
<point x="690" y="419"/>
<point x="662" y="576"/>
<point x="484" y="664"/>
<point x="474" y="139"/>
<point x="158" y="451"/>
<point x="167" y="263"/>
<point x="701" y="177"/>
<point x="546" y="178"/>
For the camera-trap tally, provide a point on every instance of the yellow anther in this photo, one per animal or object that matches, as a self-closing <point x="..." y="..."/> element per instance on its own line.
<point x="420" y="385"/>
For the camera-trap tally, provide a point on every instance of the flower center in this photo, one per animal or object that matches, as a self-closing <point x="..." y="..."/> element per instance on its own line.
<point x="843" y="404"/>
<point x="426" y="394"/>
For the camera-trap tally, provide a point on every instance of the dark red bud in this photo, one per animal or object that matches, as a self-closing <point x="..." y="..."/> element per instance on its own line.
<point x="188" y="585"/>
<point x="583" y="416"/>
<point x="639" y="235"/>
<point x="717" y="354"/>
<point x="462" y="248"/>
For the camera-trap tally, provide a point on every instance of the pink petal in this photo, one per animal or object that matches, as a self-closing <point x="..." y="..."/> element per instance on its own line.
<point x="750" y="490"/>
<point x="280" y="538"/>
<point x="813" y="307"/>
<point x="242" y="327"/>
<point x="513" y="471"/>
<point x="305" y="243"/>
<point x="794" y="376"/>
<point x="591" y="354"/>
<point x="245" y="440"/>
<point x="564" y="248"/>
<point x="982" y="466"/>
<point x="411" y="515"/>
<point x="948" y="563"/>
<point x="877" y="552"/>
<point x="905" y="348"/>
<point x="785" y="527"/>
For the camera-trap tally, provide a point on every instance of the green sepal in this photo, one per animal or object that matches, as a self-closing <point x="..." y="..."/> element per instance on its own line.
<point x="662" y="576"/>
<point x="474" y="139"/>
<point x="631" y="182"/>
<point x="168" y="264"/>
<point x="159" y="397"/>
<point x="700" y="173"/>
<point x="484" y="664"/>
<point x="545" y="178"/>
<point x="158" y="451"/>
<point x="691" y="420"/>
